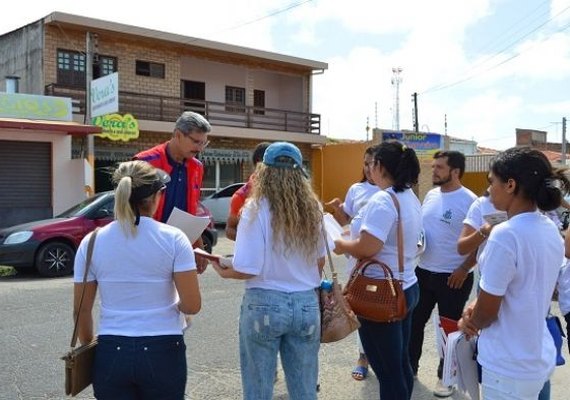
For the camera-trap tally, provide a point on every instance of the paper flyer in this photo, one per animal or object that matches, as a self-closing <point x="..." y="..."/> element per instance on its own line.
<point x="225" y="262"/>
<point x="191" y="225"/>
<point x="495" y="218"/>
<point x="334" y="230"/>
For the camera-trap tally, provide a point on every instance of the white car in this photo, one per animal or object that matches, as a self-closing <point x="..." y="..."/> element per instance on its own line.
<point x="219" y="202"/>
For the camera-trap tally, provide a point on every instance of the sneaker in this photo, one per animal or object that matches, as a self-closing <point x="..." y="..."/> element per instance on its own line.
<point x="441" y="390"/>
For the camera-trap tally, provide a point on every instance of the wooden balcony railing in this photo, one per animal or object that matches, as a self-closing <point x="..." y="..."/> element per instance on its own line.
<point x="162" y="108"/>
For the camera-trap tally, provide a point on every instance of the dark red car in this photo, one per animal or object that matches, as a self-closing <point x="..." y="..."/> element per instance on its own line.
<point x="49" y="245"/>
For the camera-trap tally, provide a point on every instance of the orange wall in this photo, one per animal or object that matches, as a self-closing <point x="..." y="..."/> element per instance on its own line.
<point x="475" y="181"/>
<point x="336" y="167"/>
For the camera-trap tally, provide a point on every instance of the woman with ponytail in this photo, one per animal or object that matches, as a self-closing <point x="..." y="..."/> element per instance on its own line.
<point x="146" y="275"/>
<point x="394" y="169"/>
<point x="519" y="268"/>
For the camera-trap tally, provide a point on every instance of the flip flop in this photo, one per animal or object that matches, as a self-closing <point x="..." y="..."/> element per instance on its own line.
<point x="359" y="373"/>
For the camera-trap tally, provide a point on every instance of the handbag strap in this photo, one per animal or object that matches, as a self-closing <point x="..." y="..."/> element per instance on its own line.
<point x="325" y="238"/>
<point x="90" y="246"/>
<point x="400" y="236"/>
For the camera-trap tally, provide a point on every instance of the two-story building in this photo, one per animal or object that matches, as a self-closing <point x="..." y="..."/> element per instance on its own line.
<point x="248" y="95"/>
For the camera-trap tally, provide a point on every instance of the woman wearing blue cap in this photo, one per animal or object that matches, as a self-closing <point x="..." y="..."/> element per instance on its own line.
<point x="280" y="254"/>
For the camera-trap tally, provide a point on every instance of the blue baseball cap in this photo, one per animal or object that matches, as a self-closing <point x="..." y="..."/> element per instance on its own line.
<point x="284" y="155"/>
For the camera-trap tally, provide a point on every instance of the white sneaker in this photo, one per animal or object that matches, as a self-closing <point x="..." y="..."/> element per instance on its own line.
<point x="441" y="390"/>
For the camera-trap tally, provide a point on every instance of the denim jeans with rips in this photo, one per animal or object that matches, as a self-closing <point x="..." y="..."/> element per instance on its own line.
<point x="146" y="367"/>
<point x="273" y="322"/>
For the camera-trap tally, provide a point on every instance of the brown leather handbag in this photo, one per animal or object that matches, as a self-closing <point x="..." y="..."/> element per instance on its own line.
<point x="379" y="300"/>
<point x="79" y="361"/>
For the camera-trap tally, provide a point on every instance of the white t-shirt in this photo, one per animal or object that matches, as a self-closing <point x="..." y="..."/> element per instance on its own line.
<point x="480" y="207"/>
<point x="256" y="253"/>
<point x="442" y="217"/>
<point x="521" y="263"/>
<point x="357" y="197"/>
<point x="381" y="221"/>
<point x="134" y="277"/>
<point x="564" y="289"/>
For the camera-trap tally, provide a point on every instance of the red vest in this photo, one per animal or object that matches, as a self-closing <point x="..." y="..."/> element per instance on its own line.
<point x="156" y="156"/>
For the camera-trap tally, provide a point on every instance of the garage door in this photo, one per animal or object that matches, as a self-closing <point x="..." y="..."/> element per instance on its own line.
<point x="25" y="182"/>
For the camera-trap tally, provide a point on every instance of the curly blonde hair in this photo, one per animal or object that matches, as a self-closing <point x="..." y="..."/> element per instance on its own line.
<point x="296" y="214"/>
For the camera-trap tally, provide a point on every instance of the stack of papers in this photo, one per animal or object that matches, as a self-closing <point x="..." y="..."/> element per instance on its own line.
<point x="225" y="262"/>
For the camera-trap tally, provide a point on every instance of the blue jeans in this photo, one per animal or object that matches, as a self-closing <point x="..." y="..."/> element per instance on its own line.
<point x="147" y="367"/>
<point x="386" y="346"/>
<point x="273" y="322"/>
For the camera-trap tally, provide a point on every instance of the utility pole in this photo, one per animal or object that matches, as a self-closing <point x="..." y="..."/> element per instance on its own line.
<point x="563" y="150"/>
<point x="90" y="139"/>
<point x="367" y="128"/>
<point x="415" y="106"/>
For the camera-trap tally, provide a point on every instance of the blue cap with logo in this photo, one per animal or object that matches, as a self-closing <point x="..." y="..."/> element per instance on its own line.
<point x="284" y="155"/>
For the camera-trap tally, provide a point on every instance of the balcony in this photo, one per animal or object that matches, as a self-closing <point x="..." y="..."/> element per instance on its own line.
<point x="162" y="108"/>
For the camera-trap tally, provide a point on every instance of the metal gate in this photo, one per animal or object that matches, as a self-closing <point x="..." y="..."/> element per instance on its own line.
<point x="25" y="182"/>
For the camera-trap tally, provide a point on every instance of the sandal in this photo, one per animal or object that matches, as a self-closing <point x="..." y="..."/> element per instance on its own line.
<point x="359" y="372"/>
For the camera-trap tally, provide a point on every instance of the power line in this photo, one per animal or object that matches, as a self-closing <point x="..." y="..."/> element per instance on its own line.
<point x="448" y="85"/>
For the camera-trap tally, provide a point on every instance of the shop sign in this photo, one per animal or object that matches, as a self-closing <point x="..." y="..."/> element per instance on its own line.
<point x="425" y="144"/>
<point x="117" y="127"/>
<point x="105" y="95"/>
<point x="29" y="106"/>
<point x="225" y="155"/>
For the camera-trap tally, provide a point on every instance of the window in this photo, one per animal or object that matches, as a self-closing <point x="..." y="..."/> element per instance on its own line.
<point x="195" y="91"/>
<point x="108" y="65"/>
<point x="70" y="68"/>
<point x="259" y="101"/>
<point x="235" y="97"/>
<point x="147" y="68"/>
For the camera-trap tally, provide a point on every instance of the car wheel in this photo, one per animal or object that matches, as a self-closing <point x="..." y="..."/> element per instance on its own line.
<point x="55" y="259"/>
<point x="207" y="243"/>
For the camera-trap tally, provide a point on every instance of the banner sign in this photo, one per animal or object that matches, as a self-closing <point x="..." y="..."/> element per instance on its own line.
<point x="105" y="95"/>
<point x="29" y="106"/>
<point x="425" y="144"/>
<point x="117" y="127"/>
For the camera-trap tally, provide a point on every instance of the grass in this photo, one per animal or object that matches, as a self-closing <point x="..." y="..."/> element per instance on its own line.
<point x="7" y="271"/>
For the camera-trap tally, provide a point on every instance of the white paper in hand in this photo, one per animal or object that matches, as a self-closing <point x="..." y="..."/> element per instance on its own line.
<point x="495" y="218"/>
<point x="333" y="229"/>
<point x="191" y="225"/>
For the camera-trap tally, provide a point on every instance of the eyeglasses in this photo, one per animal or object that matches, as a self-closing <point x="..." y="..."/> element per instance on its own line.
<point x="199" y="143"/>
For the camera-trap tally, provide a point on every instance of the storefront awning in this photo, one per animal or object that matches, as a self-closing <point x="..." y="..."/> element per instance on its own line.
<point x="224" y="156"/>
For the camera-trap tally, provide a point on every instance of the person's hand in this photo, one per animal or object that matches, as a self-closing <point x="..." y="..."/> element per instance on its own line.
<point x="486" y="229"/>
<point x="335" y="204"/>
<point x="201" y="264"/>
<point x="457" y="278"/>
<point x="223" y="272"/>
<point x="338" y="249"/>
<point x="465" y="324"/>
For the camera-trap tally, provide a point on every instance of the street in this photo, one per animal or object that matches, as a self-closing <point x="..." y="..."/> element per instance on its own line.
<point x="36" y="327"/>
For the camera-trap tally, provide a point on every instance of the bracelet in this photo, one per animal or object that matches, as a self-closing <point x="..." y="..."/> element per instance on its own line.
<point x="480" y="232"/>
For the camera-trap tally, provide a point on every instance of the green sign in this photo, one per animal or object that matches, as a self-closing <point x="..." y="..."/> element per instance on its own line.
<point x="28" y="106"/>
<point x="117" y="127"/>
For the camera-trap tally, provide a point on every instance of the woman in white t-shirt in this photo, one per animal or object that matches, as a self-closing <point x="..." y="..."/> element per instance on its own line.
<point x="519" y="268"/>
<point x="351" y="211"/>
<point x="145" y="273"/>
<point x="395" y="169"/>
<point x="279" y="252"/>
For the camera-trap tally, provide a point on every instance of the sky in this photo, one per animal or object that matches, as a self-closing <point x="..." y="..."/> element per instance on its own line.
<point x="486" y="66"/>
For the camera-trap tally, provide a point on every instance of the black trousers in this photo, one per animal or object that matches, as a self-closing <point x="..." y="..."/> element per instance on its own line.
<point x="450" y="303"/>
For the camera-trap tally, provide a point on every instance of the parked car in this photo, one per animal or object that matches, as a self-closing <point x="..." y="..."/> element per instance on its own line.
<point x="49" y="245"/>
<point x="219" y="202"/>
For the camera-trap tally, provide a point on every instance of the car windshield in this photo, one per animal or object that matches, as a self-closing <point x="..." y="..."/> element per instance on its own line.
<point x="83" y="207"/>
